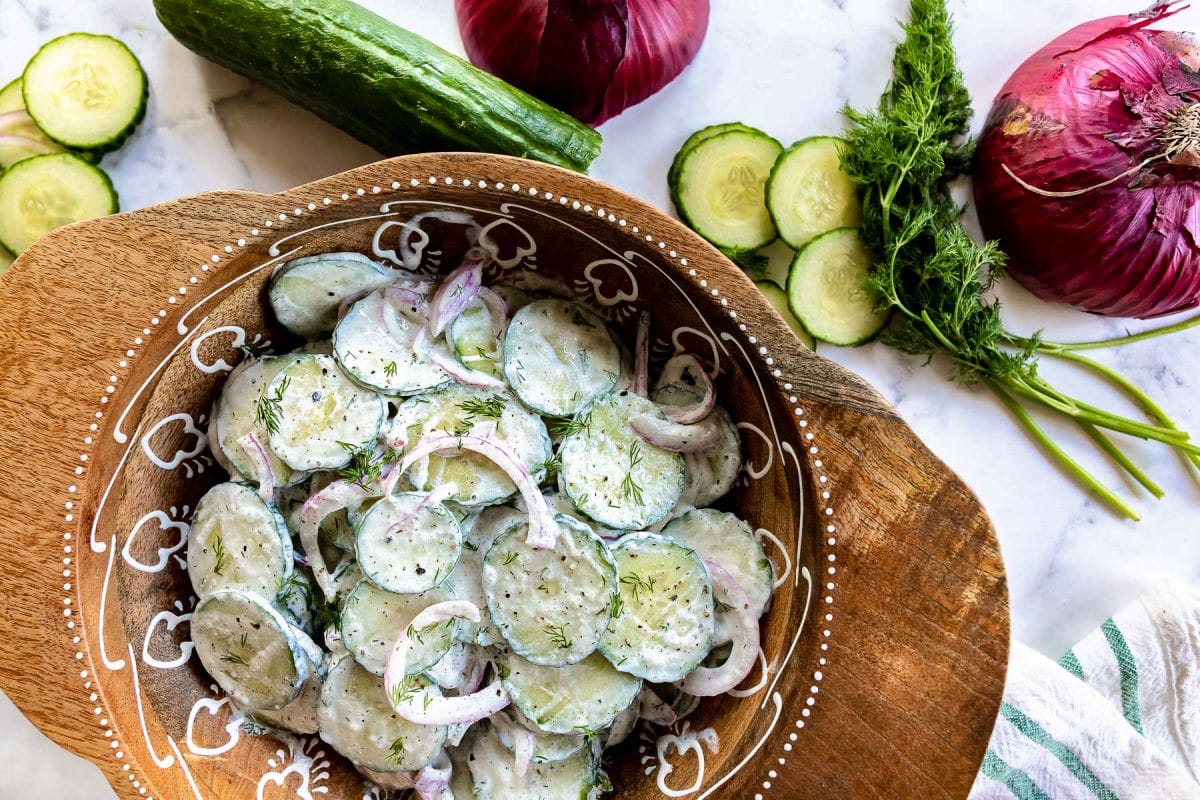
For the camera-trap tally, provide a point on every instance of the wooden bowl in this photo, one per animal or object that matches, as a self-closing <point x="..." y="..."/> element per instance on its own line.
<point x="886" y="645"/>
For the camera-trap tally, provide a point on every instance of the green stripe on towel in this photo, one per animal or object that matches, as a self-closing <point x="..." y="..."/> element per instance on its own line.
<point x="1129" y="673"/>
<point x="1040" y="736"/>
<point x="1015" y="780"/>
<point x="1070" y="662"/>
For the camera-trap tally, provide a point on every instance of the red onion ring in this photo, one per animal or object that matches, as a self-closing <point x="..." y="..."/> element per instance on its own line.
<point x="15" y="119"/>
<point x="712" y="681"/>
<point x="263" y="475"/>
<point x="676" y="437"/>
<point x="522" y="739"/>
<point x="673" y="372"/>
<point x="641" y="368"/>
<point x="335" y="496"/>
<point x="423" y="346"/>
<point x="457" y="292"/>
<point x="433" y="781"/>
<point x="543" y="530"/>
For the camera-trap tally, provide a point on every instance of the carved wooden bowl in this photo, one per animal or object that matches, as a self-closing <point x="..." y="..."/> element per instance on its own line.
<point x="885" y="647"/>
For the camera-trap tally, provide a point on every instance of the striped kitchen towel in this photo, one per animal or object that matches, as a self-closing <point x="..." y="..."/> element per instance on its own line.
<point x="1117" y="718"/>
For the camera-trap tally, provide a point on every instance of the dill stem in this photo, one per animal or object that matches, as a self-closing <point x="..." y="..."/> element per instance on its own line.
<point x="1053" y="347"/>
<point x="1069" y="465"/>
<point x="1122" y="460"/>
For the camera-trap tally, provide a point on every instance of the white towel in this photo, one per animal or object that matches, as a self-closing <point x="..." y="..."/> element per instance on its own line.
<point x="1117" y="718"/>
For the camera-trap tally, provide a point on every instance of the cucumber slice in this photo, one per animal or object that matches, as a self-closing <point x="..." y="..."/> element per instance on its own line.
<point x="46" y="192"/>
<point x="466" y="583"/>
<point x="551" y="605"/>
<point x="611" y="474"/>
<point x="693" y="140"/>
<point x="85" y="91"/>
<point x="319" y="414"/>
<point x="476" y="340"/>
<point x="547" y="747"/>
<point x="249" y="650"/>
<point x="582" y="698"/>
<point x="373" y="618"/>
<point x="777" y="297"/>
<point x="306" y="293"/>
<point x="237" y="542"/>
<point x="809" y="194"/>
<point x="298" y="716"/>
<point x="494" y="774"/>
<point x="407" y="544"/>
<point x="382" y="355"/>
<point x="357" y="720"/>
<point x="827" y="292"/>
<point x="31" y="142"/>
<point x="559" y="357"/>
<point x="6" y="261"/>
<point x="459" y="410"/>
<point x="724" y="539"/>
<point x="236" y="414"/>
<point x="720" y="189"/>
<point x="663" y="626"/>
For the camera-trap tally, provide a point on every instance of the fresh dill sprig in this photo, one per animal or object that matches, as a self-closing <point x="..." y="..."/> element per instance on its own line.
<point x="234" y="658"/>
<point x="390" y="369"/>
<point x="631" y="488"/>
<point x="552" y="465"/>
<point x="511" y="557"/>
<point x="270" y="407"/>
<point x="558" y="636"/>
<point x="405" y="690"/>
<point x="618" y="605"/>
<point x="397" y="750"/>
<point x="636" y="584"/>
<point x="365" y="464"/>
<point x="286" y="588"/>
<point x="490" y="407"/>
<point x="572" y="426"/>
<point x="218" y="548"/>
<point x="902" y="156"/>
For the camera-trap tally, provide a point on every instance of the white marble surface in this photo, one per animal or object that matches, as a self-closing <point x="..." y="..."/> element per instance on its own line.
<point x="787" y="67"/>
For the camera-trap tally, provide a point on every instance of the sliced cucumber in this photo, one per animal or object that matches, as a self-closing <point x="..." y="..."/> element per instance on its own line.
<point x="777" y="297"/>
<point x="319" y="414"/>
<point x="357" y="720"/>
<point x="236" y="414"/>
<point x="237" y="542"/>
<point x="559" y="357"/>
<point x="373" y="618"/>
<point x="294" y="598"/>
<point x="249" y="650"/>
<point x="6" y="261"/>
<point x="85" y="91"/>
<point x="552" y="606"/>
<point x="299" y="716"/>
<point x="724" y="539"/>
<point x="380" y="354"/>
<point x="494" y="774"/>
<point x="466" y="583"/>
<point x="43" y="193"/>
<point x="581" y="698"/>
<point x="663" y="627"/>
<point x="407" y="544"/>
<point x="459" y="410"/>
<point x="719" y="188"/>
<point x="827" y="291"/>
<point x="809" y="194"/>
<point x="476" y="339"/>
<point x="29" y="140"/>
<point x="306" y="293"/>
<point x="547" y="747"/>
<point x="693" y="140"/>
<point x="611" y="474"/>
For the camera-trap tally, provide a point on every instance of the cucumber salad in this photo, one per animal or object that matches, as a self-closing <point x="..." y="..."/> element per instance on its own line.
<point x="466" y="537"/>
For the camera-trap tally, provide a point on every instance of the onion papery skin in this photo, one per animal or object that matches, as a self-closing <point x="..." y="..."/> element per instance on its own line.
<point x="1092" y="105"/>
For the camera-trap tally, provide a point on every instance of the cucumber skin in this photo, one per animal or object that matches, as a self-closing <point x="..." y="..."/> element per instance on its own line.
<point x="695" y="139"/>
<point x="788" y="290"/>
<point x="386" y="86"/>
<point x="92" y="155"/>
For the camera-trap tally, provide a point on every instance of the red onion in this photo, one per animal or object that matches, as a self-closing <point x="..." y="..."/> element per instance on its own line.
<point x="263" y="475"/>
<point x="641" y="355"/>
<point x="456" y="293"/>
<point x="433" y="781"/>
<point x="677" y="438"/>
<point x="591" y="58"/>
<point x="674" y="372"/>
<point x="1088" y="169"/>
<point x="335" y="496"/>
<point x="709" y="682"/>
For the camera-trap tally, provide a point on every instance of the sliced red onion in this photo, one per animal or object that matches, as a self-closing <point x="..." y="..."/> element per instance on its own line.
<point x="349" y="300"/>
<point x="762" y="683"/>
<point x="674" y="372"/>
<point x="712" y="681"/>
<point x="676" y="437"/>
<point x="653" y="708"/>
<point x="496" y="307"/>
<point x="430" y="709"/>
<point x="33" y="146"/>
<point x="414" y="298"/>
<point x="334" y="497"/>
<point x="260" y="464"/>
<point x="423" y="347"/>
<point x="641" y="368"/>
<point x="433" y="781"/>
<point x="522" y="741"/>
<point x="457" y="292"/>
<point x="543" y="530"/>
<point x="435" y="497"/>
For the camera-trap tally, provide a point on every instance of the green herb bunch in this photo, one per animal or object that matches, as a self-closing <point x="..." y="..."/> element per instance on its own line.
<point x="903" y="156"/>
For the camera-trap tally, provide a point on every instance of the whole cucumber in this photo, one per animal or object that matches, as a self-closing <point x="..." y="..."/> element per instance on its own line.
<point x="389" y="87"/>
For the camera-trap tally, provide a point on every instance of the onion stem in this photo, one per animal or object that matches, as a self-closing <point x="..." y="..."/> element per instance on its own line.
<point x="1122" y="460"/>
<point x="1068" y="464"/>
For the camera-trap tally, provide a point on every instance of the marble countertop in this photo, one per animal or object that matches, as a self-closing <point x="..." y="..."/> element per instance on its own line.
<point x="788" y="68"/>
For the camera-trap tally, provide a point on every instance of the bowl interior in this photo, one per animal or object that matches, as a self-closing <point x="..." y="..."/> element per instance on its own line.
<point x="593" y="259"/>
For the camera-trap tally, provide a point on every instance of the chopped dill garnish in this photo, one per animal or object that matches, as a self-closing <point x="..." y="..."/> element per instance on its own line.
<point x="558" y="636"/>
<point x="218" y="548"/>
<point x="365" y="465"/>
<point x="234" y="658"/>
<point x="631" y="488"/>
<point x="636" y="583"/>
<point x="405" y="690"/>
<point x="270" y="408"/>
<point x="390" y="369"/>
<point x="570" y="427"/>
